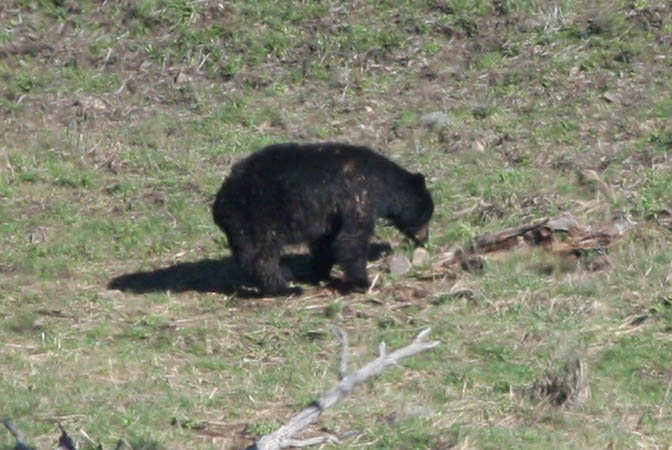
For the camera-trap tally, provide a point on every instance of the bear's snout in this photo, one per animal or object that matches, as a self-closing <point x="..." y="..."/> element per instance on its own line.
<point x="421" y="236"/>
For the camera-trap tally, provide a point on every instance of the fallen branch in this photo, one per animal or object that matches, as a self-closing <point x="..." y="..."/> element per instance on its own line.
<point x="65" y="442"/>
<point x="576" y="240"/>
<point x="283" y="436"/>
<point x="18" y="435"/>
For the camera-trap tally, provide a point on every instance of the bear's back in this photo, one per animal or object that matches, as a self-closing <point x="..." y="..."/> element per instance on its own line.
<point x="279" y="161"/>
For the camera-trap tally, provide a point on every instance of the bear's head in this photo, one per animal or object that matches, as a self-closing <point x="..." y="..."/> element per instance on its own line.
<point x="415" y="210"/>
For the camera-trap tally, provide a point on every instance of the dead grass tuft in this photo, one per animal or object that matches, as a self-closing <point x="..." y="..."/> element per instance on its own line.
<point x="562" y="385"/>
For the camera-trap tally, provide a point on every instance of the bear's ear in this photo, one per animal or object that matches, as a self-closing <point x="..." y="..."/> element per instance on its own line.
<point x="418" y="180"/>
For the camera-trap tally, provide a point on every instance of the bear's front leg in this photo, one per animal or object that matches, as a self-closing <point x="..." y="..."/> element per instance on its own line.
<point x="322" y="256"/>
<point x="355" y="276"/>
<point x="267" y="275"/>
<point x="264" y="270"/>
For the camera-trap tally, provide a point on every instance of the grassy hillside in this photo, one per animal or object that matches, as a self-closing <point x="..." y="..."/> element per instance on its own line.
<point x="119" y="120"/>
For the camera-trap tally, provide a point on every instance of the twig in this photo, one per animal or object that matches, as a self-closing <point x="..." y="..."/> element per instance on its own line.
<point x="283" y="436"/>
<point x="373" y="283"/>
<point x="343" y="338"/>
<point x="667" y="393"/>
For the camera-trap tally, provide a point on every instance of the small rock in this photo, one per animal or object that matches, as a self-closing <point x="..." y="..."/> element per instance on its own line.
<point x="88" y="102"/>
<point x="108" y="294"/>
<point x="563" y="223"/>
<point x="146" y="65"/>
<point x="478" y="146"/>
<point x="339" y="79"/>
<point x="182" y="78"/>
<point x="420" y="257"/>
<point x="399" y="265"/>
<point x="610" y="97"/>
<point x="435" y="120"/>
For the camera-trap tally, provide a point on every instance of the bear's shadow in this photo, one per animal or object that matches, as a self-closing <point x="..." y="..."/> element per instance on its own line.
<point x="222" y="276"/>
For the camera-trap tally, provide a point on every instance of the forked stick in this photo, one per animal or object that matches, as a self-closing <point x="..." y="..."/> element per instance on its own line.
<point x="283" y="436"/>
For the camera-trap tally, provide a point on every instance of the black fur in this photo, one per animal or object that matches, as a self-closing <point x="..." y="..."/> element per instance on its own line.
<point x="326" y="195"/>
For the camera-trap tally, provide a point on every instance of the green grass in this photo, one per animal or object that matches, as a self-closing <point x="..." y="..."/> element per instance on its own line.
<point x="120" y="120"/>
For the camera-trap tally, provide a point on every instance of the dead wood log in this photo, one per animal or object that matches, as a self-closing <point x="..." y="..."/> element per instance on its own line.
<point x="577" y="239"/>
<point x="283" y="436"/>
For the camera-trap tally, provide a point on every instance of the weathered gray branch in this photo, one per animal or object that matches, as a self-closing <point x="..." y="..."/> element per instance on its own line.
<point x="18" y="435"/>
<point x="283" y="436"/>
<point x="65" y="442"/>
<point x="343" y="338"/>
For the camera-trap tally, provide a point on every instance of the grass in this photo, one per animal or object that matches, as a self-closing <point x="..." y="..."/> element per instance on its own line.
<point x="120" y="120"/>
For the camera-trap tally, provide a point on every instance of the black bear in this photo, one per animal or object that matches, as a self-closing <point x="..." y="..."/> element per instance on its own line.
<point x="326" y="195"/>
